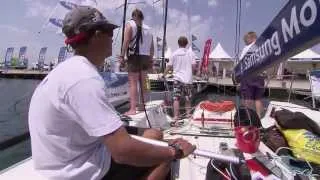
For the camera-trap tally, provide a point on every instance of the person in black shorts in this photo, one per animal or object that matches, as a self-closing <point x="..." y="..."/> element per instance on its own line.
<point x="139" y="49"/>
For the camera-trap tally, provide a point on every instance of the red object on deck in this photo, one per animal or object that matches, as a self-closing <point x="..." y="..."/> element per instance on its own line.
<point x="223" y="106"/>
<point x="248" y="138"/>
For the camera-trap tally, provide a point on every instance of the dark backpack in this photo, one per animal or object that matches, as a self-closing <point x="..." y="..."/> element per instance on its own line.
<point x="296" y="120"/>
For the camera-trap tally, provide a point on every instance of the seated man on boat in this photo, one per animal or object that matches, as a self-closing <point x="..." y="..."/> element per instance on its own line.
<point x="252" y="88"/>
<point x="75" y="133"/>
<point x="139" y="49"/>
<point x="183" y="64"/>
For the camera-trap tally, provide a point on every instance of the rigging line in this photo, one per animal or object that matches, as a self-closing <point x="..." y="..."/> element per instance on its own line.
<point x="236" y="35"/>
<point x="239" y="28"/>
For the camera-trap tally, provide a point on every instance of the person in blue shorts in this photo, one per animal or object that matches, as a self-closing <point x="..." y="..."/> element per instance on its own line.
<point x="252" y="88"/>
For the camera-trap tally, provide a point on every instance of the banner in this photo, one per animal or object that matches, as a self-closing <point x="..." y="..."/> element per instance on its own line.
<point x="8" y="57"/>
<point x="205" y="58"/>
<point x="62" y="54"/>
<point x="62" y="8"/>
<point x="294" y="29"/>
<point x="42" y="56"/>
<point x="22" y="56"/>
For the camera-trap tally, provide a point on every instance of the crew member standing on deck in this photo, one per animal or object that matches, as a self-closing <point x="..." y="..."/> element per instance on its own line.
<point x="139" y="48"/>
<point x="75" y="133"/>
<point x="183" y="64"/>
<point x="252" y="88"/>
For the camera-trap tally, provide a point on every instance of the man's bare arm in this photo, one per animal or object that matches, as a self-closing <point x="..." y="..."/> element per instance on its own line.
<point x="126" y="150"/>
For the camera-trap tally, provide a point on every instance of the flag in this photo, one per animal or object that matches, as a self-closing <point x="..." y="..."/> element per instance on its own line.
<point x="68" y="5"/>
<point x="57" y="22"/>
<point x="193" y="37"/>
<point x="205" y="58"/>
<point x="195" y="48"/>
<point x="62" y="8"/>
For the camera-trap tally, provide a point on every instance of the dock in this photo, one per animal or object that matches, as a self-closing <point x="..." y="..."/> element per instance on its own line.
<point x="273" y="86"/>
<point x="296" y="86"/>
<point x="23" y="74"/>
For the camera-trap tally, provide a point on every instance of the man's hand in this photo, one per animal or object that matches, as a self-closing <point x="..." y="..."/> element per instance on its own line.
<point x="184" y="145"/>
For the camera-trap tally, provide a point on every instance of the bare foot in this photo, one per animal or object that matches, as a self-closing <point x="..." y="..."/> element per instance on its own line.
<point x="130" y="112"/>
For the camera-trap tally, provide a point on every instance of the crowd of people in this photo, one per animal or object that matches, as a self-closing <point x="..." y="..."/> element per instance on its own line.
<point x="77" y="134"/>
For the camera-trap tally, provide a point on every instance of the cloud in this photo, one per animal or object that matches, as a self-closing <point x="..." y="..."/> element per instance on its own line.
<point x="195" y="18"/>
<point x="213" y="3"/>
<point x="13" y="29"/>
<point x="248" y="4"/>
<point x="37" y="8"/>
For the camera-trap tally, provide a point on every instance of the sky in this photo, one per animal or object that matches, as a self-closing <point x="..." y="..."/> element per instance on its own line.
<point x="23" y="22"/>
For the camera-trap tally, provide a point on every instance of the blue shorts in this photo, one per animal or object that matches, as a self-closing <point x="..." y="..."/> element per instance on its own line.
<point x="252" y="88"/>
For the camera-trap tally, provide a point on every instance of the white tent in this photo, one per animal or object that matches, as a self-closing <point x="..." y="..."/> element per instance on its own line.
<point x="306" y="55"/>
<point x="219" y="53"/>
<point x="303" y="62"/>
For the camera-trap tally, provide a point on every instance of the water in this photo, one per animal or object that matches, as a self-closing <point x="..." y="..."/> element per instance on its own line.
<point x="15" y="97"/>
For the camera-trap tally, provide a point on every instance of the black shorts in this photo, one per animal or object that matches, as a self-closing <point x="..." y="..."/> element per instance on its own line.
<point x="138" y="63"/>
<point x="127" y="172"/>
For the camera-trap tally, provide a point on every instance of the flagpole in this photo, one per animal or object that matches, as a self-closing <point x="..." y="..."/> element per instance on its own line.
<point x="189" y="23"/>
<point x="124" y="21"/>
<point x="164" y="36"/>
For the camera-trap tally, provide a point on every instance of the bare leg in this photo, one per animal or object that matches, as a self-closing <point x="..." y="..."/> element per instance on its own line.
<point x="133" y="78"/>
<point x="176" y="109"/>
<point x="162" y="171"/>
<point x="259" y="107"/>
<point x="188" y="107"/>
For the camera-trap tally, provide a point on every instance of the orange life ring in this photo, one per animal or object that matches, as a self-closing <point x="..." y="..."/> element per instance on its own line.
<point x="223" y="106"/>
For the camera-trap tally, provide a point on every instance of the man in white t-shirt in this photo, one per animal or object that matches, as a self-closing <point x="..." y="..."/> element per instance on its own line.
<point x="75" y="133"/>
<point x="183" y="64"/>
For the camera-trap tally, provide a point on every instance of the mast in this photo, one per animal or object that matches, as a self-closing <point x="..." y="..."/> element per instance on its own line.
<point x="164" y="35"/>
<point x="124" y="21"/>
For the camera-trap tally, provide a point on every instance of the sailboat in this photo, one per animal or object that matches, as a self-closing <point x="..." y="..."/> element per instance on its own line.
<point x="213" y="145"/>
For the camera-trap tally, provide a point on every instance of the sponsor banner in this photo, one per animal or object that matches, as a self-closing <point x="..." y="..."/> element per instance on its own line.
<point x="294" y="29"/>
<point x="22" y="56"/>
<point x="62" y="54"/>
<point x="8" y="57"/>
<point x="42" y="56"/>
